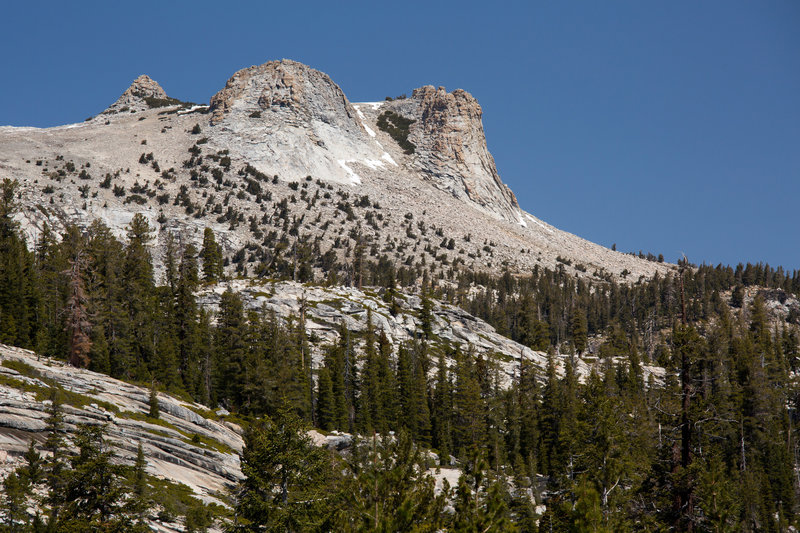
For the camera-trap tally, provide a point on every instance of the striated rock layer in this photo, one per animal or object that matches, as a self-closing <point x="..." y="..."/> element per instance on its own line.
<point x="210" y="471"/>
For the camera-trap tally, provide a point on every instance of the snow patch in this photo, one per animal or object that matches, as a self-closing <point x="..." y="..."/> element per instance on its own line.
<point x="373" y="105"/>
<point x="374" y="164"/>
<point x="387" y="157"/>
<point x="522" y="222"/>
<point x="359" y="113"/>
<point x="354" y="178"/>
<point x="532" y="219"/>
<point x="363" y="118"/>
<point x="192" y="109"/>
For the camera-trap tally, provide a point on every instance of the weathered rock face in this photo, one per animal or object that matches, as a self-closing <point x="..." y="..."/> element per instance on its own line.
<point x="121" y="407"/>
<point x="288" y="119"/>
<point x="451" y="149"/>
<point x="326" y="308"/>
<point x="133" y="99"/>
<point x="297" y="93"/>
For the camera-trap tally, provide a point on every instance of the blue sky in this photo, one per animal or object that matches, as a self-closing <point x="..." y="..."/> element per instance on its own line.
<point x="669" y="127"/>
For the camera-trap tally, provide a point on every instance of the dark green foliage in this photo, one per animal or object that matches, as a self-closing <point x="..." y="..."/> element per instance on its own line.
<point x="211" y="254"/>
<point x="398" y="127"/>
<point x="710" y="445"/>
<point x="18" y="290"/>
<point x="154" y="411"/>
<point x="83" y="492"/>
<point x="153" y="102"/>
<point x="480" y="501"/>
<point x="284" y="487"/>
<point x="385" y="488"/>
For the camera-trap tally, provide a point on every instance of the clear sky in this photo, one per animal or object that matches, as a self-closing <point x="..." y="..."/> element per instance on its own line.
<point x="668" y="127"/>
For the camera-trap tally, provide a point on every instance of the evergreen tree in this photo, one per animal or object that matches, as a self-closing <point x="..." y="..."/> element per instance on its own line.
<point x="139" y="291"/>
<point x="469" y="430"/>
<point x="579" y="330"/>
<point x="479" y="502"/>
<point x="18" y="294"/>
<point x="326" y="403"/>
<point x="211" y="254"/>
<point x="77" y="320"/>
<point x="386" y="488"/>
<point x="441" y="411"/>
<point x="230" y="349"/>
<point x="154" y="411"/>
<point x="285" y="478"/>
<point x="371" y="415"/>
<point x="94" y="489"/>
<point x="15" y="499"/>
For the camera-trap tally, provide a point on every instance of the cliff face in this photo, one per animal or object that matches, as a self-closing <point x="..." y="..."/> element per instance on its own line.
<point x="451" y="149"/>
<point x="292" y="120"/>
<point x="296" y="94"/>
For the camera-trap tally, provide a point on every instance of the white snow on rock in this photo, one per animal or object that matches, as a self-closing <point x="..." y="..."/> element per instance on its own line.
<point x="373" y="164"/>
<point x="533" y="219"/>
<point x="354" y="178"/>
<point x="192" y="109"/>
<point x="358" y="112"/>
<point x="388" y="158"/>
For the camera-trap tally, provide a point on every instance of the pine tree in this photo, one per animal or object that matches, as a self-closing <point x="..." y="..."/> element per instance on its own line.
<point x="94" y="489"/>
<point x="111" y="336"/>
<point x="386" y="488"/>
<point x="442" y="408"/>
<point x="579" y="330"/>
<point x="154" y="411"/>
<point x="371" y="415"/>
<point x="77" y="324"/>
<point x="211" y="254"/>
<point x="139" y="299"/>
<point x="326" y="404"/>
<point x="387" y="393"/>
<point x="165" y="358"/>
<point x="419" y="397"/>
<point x="18" y="297"/>
<point x="231" y="349"/>
<point x="426" y="315"/>
<point x="285" y="478"/>
<point x="138" y="500"/>
<point x="15" y="498"/>
<point x="479" y="501"/>
<point x="469" y="430"/>
<point x="186" y="318"/>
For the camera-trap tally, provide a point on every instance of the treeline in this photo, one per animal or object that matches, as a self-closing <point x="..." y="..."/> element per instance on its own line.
<point x="709" y="445"/>
<point x="556" y="309"/>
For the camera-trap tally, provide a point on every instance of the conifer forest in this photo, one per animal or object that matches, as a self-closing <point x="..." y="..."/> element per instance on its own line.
<point x="708" y="443"/>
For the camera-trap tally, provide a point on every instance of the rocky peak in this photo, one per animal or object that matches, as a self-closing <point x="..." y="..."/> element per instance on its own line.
<point x="135" y="97"/>
<point x="294" y="91"/>
<point x="451" y="148"/>
<point x="289" y="119"/>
